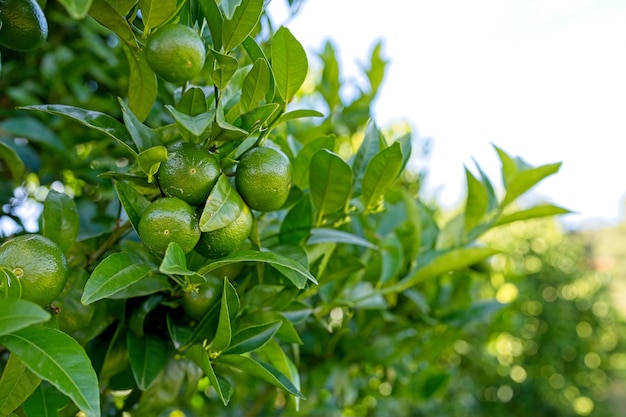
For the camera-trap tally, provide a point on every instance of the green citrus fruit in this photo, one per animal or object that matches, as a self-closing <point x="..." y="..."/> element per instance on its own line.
<point x="166" y="220"/>
<point x="263" y="178"/>
<point x="189" y="174"/>
<point x="175" y="53"/>
<point x="221" y="242"/>
<point x="38" y="263"/>
<point x="23" y="25"/>
<point x="197" y="303"/>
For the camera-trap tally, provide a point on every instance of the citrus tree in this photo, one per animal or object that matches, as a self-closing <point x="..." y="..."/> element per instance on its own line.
<point x="226" y="235"/>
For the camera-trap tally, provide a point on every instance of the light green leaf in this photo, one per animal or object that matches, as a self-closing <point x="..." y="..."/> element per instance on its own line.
<point x="10" y="285"/>
<point x="289" y="63"/>
<point x="150" y="160"/>
<point x="134" y="202"/>
<point x="77" y="9"/>
<point x="16" y="314"/>
<point x="200" y="357"/>
<point x="259" y="117"/>
<point x="196" y="126"/>
<point x="224" y="67"/>
<point x="275" y="355"/>
<point x="57" y="358"/>
<point x="298" y="114"/>
<point x="373" y="142"/>
<point x="271" y="258"/>
<point x="108" y="17"/>
<point x="229" y="308"/>
<point x="17" y="383"/>
<point x="60" y="220"/>
<point x="223" y="206"/>
<point x="256" y="84"/>
<point x="193" y="102"/>
<point x="143" y="137"/>
<point x="330" y="182"/>
<point x="215" y="19"/>
<point x="155" y="12"/>
<point x="302" y="163"/>
<point x="325" y="235"/>
<point x="381" y="172"/>
<point x="148" y="355"/>
<point x="476" y="203"/>
<point x="245" y="17"/>
<point x="261" y="370"/>
<point x="543" y="210"/>
<point x="142" y="84"/>
<point x="113" y="274"/>
<point x="525" y="180"/>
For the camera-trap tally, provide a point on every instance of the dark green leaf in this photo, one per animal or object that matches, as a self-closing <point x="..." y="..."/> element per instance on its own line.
<point x="275" y="355"/>
<point x="143" y="137"/>
<point x="134" y="203"/>
<point x="113" y="274"/>
<point x="381" y="172"/>
<point x="261" y="370"/>
<point x="289" y="63"/>
<point x="16" y="314"/>
<point x="330" y="182"/>
<point x="150" y="284"/>
<point x="104" y="13"/>
<point x="297" y="223"/>
<point x="256" y="84"/>
<point x="543" y="210"/>
<point x="56" y="357"/>
<point x="222" y="207"/>
<point x="33" y="130"/>
<point x="60" y="220"/>
<point x="201" y="358"/>
<point x="12" y="161"/>
<point x="77" y="9"/>
<point x="245" y="17"/>
<point x="147" y="355"/>
<point x="215" y="20"/>
<point x="142" y="84"/>
<point x="302" y="163"/>
<point x="252" y="338"/>
<point x="229" y="308"/>
<point x="45" y="401"/>
<point x="478" y="311"/>
<point x="270" y="258"/>
<point x="259" y="117"/>
<point x="255" y="52"/>
<point x="16" y="385"/>
<point x="193" y="102"/>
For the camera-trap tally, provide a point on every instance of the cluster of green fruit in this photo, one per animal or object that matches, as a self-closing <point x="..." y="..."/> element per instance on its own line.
<point x="262" y="181"/>
<point x="23" y="25"/>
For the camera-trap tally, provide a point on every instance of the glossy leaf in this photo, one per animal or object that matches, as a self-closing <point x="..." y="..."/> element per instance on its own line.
<point x="113" y="274"/>
<point x="261" y="370"/>
<point x="106" y="14"/>
<point x="10" y="285"/>
<point x="16" y="314"/>
<point x="244" y="18"/>
<point x="193" y="102"/>
<point x="223" y="206"/>
<point x="201" y="358"/>
<point x="59" y="219"/>
<point x="194" y="126"/>
<point x="9" y="157"/>
<point x="215" y="20"/>
<point x="224" y="67"/>
<point x="274" y="259"/>
<point x="142" y="84"/>
<point x="259" y="117"/>
<point x="150" y="284"/>
<point x="56" y="357"/>
<point x="275" y="355"/>
<point x="289" y="63"/>
<point x="143" y="137"/>
<point x="543" y="210"/>
<point x="46" y="400"/>
<point x="148" y="355"/>
<point x="156" y="12"/>
<point x="381" y="172"/>
<point x="302" y="163"/>
<point x="174" y="261"/>
<point x="77" y="9"/>
<point x="256" y="84"/>
<point x="93" y="119"/>
<point x="252" y="338"/>
<point x="17" y="383"/>
<point x="133" y="201"/>
<point x="446" y="261"/>
<point x="297" y="223"/>
<point x="229" y="308"/>
<point x="324" y="235"/>
<point x="330" y="181"/>
<point x="476" y="202"/>
<point x="150" y="160"/>
<point x="255" y="52"/>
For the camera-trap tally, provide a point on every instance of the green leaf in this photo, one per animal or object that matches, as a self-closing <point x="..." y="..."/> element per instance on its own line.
<point x="142" y="84"/>
<point x="224" y="67"/>
<point x="113" y="274"/>
<point x="148" y="355"/>
<point x="252" y="338"/>
<point x="302" y="163"/>
<point x="261" y="370"/>
<point x="381" y="172"/>
<point x="259" y="117"/>
<point x="195" y="126"/>
<point x="256" y="84"/>
<point x="156" y="12"/>
<point x="373" y="143"/>
<point x="275" y="355"/>
<point x="108" y="17"/>
<point x="77" y="9"/>
<point x="376" y="72"/>
<point x="33" y="130"/>
<point x="245" y="17"/>
<point x="223" y="206"/>
<point x="200" y="357"/>
<point x="150" y="284"/>
<point x="17" y="314"/>
<point x="543" y="210"/>
<point x="229" y="308"/>
<point x="298" y="114"/>
<point x="476" y="203"/>
<point x="255" y="52"/>
<point x="174" y="261"/>
<point x="330" y="182"/>
<point x="296" y="225"/>
<point x="17" y="383"/>
<point x="270" y="258"/>
<point x="95" y="120"/>
<point x="46" y="400"/>
<point x="134" y="202"/>
<point x="193" y="102"/>
<point x="392" y="257"/>
<point x="10" y="285"/>
<point x="12" y="161"/>
<point x="60" y="220"/>
<point x="289" y="63"/>
<point x="324" y="235"/>
<point x="150" y="160"/>
<point x="57" y="358"/>
<point x="215" y="19"/>
<point x="442" y="262"/>
<point x="143" y="137"/>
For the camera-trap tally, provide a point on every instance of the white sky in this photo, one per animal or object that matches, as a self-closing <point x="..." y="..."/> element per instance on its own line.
<point x="542" y="79"/>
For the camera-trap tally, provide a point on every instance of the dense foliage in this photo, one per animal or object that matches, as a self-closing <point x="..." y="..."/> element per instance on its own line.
<point x="357" y="296"/>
